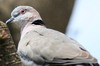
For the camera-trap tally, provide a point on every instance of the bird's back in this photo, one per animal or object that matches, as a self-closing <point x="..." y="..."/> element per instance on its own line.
<point x="51" y="44"/>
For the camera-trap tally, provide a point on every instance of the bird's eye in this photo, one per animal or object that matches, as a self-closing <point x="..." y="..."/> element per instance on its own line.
<point x="22" y="11"/>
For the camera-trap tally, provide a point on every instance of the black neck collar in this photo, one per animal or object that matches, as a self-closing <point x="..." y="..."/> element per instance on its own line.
<point x="38" y="22"/>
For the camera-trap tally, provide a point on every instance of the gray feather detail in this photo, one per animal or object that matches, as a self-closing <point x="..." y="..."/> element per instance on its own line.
<point x="71" y="62"/>
<point x="22" y="55"/>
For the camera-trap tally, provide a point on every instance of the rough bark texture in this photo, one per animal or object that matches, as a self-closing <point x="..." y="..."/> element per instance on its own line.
<point x="8" y="55"/>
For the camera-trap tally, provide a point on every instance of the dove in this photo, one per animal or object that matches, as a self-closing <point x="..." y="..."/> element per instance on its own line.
<point x="42" y="46"/>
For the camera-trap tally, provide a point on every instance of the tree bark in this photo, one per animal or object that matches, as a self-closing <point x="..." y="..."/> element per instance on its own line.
<point x="8" y="55"/>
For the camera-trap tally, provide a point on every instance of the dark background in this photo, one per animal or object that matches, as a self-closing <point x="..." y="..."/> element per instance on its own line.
<point x="55" y="13"/>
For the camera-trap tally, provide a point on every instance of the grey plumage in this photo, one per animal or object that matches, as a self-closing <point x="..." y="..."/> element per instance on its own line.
<point x="40" y="46"/>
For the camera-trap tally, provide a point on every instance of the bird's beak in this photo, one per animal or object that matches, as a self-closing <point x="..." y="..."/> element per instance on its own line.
<point x="10" y="20"/>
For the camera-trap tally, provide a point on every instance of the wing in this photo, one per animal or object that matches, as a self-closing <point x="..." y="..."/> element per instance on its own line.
<point x="47" y="44"/>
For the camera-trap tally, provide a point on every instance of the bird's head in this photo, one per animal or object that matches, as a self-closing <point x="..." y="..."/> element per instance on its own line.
<point x="24" y="14"/>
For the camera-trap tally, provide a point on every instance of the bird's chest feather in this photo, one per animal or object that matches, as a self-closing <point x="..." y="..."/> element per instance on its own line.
<point x="36" y="44"/>
<point x="45" y="43"/>
<point x="29" y="47"/>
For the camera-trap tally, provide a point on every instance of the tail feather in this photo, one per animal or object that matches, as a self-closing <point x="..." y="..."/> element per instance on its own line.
<point x="71" y="62"/>
<point x="87" y="55"/>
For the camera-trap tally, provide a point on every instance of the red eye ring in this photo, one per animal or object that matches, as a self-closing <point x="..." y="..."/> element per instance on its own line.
<point x="22" y="11"/>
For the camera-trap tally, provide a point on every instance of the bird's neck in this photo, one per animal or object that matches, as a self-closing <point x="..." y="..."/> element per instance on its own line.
<point x="30" y="26"/>
<point x="38" y="22"/>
